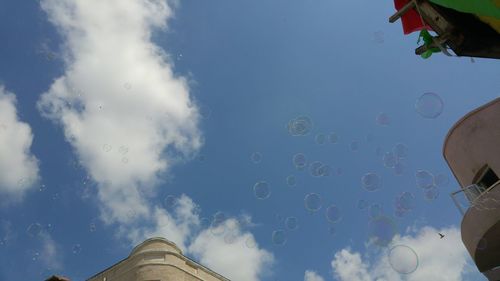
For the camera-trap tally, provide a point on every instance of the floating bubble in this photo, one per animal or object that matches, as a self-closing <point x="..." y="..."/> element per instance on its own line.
<point x="291" y="223"/>
<point x="403" y="259"/>
<point x="92" y="227"/>
<point x="431" y="193"/>
<point x="333" y="138"/>
<point x="441" y="180"/>
<point x="279" y="237"/>
<point x="205" y="222"/>
<point x="315" y="169"/>
<point x="333" y="214"/>
<point x="300" y="126"/>
<point x="320" y="139"/>
<point x="424" y="179"/>
<point x="219" y="218"/>
<point x="34" y="229"/>
<point x="405" y="201"/>
<point x="230" y="238"/>
<point x="42" y="187"/>
<point x="261" y="190"/>
<point x="371" y="182"/>
<point x="383" y="119"/>
<point x="250" y="242"/>
<point x="127" y="86"/>
<point x="312" y="202"/>
<point x="124" y="160"/>
<point x="205" y="111"/>
<point x="400" y="150"/>
<point x="169" y="202"/>
<point x="299" y="161"/>
<point x="217" y="229"/>
<point x="362" y="204"/>
<point x="256" y="157"/>
<point x="324" y="170"/>
<point x="76" y="249"/>
<point x="376" y="210"/>
<point x="389" y="159"/>
<point x="429" y="105"/>
<point x="381" y="230"/>
<point x="291" y="180"/>
<point x="354" y="146"/>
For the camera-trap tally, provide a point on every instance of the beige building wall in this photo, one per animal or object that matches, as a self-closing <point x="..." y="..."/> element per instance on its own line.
<point x="157" y="259"/>
<point x="472" y="147"/>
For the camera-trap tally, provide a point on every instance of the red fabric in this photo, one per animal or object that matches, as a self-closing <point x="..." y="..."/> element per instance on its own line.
<point x="411" y="20"/>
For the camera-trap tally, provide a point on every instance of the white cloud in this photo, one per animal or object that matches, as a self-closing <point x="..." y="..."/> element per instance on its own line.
<point x="50" y="255"/>
<point x="18" y="167"/>
<point x="229" y="250"/>
<point x="128" y="117"/>
<point x="438" y="259"/>
<point x="310" y="275"/>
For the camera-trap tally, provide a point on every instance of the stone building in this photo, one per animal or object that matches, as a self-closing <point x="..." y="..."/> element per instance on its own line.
<point x="472" y="150"/>
<point x="157" y="259"/>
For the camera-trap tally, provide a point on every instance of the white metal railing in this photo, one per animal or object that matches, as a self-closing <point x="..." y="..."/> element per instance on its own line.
<point x="475" y="196"/>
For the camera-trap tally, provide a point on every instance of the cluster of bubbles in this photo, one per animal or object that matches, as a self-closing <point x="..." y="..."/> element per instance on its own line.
<point x="403" y="259"/>
<point x="430" y="183"/>
<point x="318" y="169"/>
<point x="394" y="159"/>
<point x="300" y="126"/>
<point x="429" y="105"/>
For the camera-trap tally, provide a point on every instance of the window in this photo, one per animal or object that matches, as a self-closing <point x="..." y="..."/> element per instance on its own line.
<point x="487" y="179"/>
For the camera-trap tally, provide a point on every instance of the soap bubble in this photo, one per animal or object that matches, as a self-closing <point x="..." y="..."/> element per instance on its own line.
<point x="291" y="223"/>
<point x="256" y="157"/>
<point x="320" y="139"/>
<point x="429" y="105"/>
<point x="315" y="169"/>
<point x="389" y="159"/>
<point x="169" y="202"/>
<point x="400" y="150"/>
<point x="441" y="180"/>
<point x="300" y="126"/>
<point x="403" y="259"/>
<point x="383" y="119"/>
<point x="371" y="181"/>
<point x="261" y="190"/>
<point x="362" y="204"/>
<point x="431" y="193"/>
<point x="34" y="229"/>
<point x="424" y="179"/>
<point x="405" y="201"/>
<point x="279" y="237"/>
<point x="333" y="214"/>
<point x="299" y="161"/>
<point x="381" y="230"/>
<point x="76" y="249"/>
<point x="291" y="180"/>
<point x="312" y="202"/>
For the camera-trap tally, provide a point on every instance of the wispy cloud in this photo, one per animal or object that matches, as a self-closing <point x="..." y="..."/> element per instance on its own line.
<point x="18" y="166"/>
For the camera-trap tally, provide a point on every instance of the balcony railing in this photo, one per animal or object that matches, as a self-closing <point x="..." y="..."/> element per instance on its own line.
<point x="475" y="196"/>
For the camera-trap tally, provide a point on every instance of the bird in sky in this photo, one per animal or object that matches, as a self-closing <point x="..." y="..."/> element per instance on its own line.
<point x="441" y="236"/>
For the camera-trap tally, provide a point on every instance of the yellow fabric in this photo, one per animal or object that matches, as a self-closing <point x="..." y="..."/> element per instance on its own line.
<point x="493" y="22"/>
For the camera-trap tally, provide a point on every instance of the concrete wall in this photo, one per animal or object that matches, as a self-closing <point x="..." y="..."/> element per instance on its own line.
<point x="157" y="259"/>
<point x="472" y="143"/>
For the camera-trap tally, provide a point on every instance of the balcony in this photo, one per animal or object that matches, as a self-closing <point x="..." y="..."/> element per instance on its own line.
<point x="481" y="223"/>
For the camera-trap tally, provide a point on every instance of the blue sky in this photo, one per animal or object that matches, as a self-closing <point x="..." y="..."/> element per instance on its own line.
<point x="254" y="66"/>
